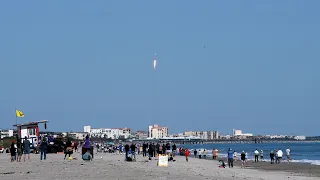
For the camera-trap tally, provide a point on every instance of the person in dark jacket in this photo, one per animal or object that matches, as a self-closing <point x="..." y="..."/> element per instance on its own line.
<point x="127" y="148"/>
<point x="144" y="149"/>
<point x="68" y="149"/>
<point x="272" y="157"/>
<point x="133" y="150"/>
<point x="12" y="151"/>
<point x="43" y="148"/>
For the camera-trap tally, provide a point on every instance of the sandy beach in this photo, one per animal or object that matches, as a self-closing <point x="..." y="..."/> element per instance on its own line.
<point x="114" y="167"/>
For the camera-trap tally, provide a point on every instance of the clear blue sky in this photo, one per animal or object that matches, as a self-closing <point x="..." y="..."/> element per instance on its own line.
<point x="79" y="63"/>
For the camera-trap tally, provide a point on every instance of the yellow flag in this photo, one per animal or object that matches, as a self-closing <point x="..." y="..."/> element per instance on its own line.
<point x="19" y="113"/>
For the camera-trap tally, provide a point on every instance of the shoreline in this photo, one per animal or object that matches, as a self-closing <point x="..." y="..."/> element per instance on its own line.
<point x="306" y="169"/>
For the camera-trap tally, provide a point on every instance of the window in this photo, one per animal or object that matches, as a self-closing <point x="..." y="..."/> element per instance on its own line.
<point x="31" y="132"/>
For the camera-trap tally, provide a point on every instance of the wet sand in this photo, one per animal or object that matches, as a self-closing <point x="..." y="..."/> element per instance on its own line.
<point x="114" y="167"/>
<point x="292" y="168"/>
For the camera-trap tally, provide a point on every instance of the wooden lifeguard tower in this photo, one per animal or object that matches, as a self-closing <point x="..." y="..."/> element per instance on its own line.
<point x="31" y="131"/>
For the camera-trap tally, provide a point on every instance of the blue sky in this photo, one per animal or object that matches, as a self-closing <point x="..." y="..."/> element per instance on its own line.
<point x="221" y="64"/>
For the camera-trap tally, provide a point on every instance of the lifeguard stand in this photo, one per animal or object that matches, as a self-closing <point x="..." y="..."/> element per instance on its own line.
<point x="31" y="131"/>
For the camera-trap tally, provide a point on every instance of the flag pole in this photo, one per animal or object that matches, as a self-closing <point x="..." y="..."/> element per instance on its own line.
<point x="15" y="112"/>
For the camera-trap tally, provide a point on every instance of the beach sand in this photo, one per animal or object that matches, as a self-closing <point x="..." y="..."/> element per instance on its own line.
<point x="114" y="167"/>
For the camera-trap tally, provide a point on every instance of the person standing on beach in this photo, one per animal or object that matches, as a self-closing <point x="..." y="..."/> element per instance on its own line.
<point x="187" y="153"/>
<point x="272" y="157"/>
<point x="256" y="155"/>
<point x="235" y="155"/>
<point x="277" y="159"/>
<point x="280" y="154"/>
<point x="261" y="155"/>
<point x="204" y="153"/>
<point x="216" y="153"/>
<point x="174" y="149"/>
<point x="144" y="149"/>
<point x="133" y="151"/>
<point x="12" y="151"/>
<point x="26" y="148"/>
<point x="127" y="148"/>
<point x="43" y="148"/>
<point x="288" y="155"/>
<point x="230" y="157"/>
<point x="19" y="149"/>
<point x="195" y="153"/>
<point x="243" y="159"/>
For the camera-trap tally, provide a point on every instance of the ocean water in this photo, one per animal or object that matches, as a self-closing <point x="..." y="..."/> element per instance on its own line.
<point x="302" y="152"/>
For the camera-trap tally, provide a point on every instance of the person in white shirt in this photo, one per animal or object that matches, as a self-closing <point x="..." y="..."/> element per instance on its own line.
<point x="235" y="154"/>
<point x="288" y="155"/>
<point x="280" y="154"/>
<point x="256" y="155"/>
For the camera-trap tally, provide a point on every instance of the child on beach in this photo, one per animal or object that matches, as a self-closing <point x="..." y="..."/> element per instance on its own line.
<point x="187" y="153"/>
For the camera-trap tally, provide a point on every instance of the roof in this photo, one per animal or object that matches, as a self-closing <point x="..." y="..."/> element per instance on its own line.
<point x="31" y="123"/>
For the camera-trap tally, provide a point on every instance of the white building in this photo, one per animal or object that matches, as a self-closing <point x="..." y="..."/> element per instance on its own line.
<point x="156" y="132"/>
<point x="300" y="138"/>
<point x="237" y="133"/>
<point x="78" y="135"/>
<point x="113" y="133"/>
<point x="6" y="133"/>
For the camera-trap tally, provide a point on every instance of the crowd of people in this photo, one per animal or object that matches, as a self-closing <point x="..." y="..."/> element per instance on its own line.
<point x="149" y="150"/>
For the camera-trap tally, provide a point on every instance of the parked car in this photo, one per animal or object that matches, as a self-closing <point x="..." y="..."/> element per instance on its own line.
<point x="56" y="146"/>
<point x="1" y="149"/>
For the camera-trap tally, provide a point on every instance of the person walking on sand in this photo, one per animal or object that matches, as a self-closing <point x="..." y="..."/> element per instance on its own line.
<point x="288" y="155"/>
<point x="230" y="158"/>
<point x="26" y="148"/>
<point x="256" y="155"/>
<point x="272" y="157"/>
<point x="187" y="153"/>
<point x="243" y="159"/>
<point x="12" y="151"/>
<point x="43" y="148"/>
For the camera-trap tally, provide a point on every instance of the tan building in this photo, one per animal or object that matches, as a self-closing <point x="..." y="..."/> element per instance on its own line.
<point x="156" y="132"/>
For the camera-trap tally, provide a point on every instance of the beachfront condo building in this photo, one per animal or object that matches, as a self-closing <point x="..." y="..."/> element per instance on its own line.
<point x="156" y="132"/>
<point x="113" y="133"/>
<point x="206" y="135"/>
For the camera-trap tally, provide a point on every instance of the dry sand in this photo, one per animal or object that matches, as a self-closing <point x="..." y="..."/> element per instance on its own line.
<point x="114" y="167"/>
